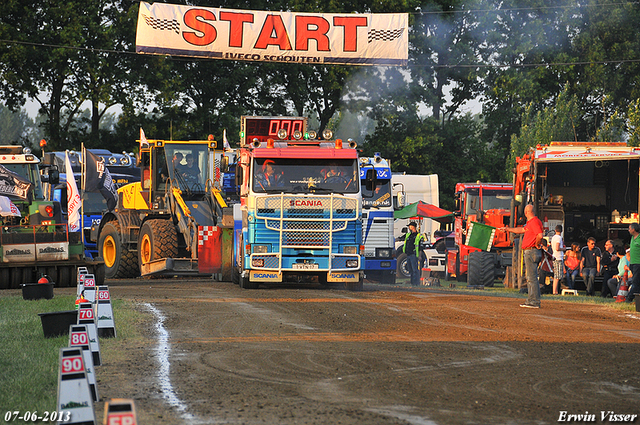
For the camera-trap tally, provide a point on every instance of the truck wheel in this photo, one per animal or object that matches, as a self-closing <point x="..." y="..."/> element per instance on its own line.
<point x="245" y="283"/>
<point x="481" y="268"/>
<point x="158" y="239"/>
<point x="27" y="275"/>
<point x="64" y="276"/>
<point x="5" y="275"/>
<point x="52" y="272"/>
<point x="355" y="286"/>
<point x="98" y="272"/>
<point x="16" y="278"/>
<point x="403" y="267"/>
<point x="119" y="262"/>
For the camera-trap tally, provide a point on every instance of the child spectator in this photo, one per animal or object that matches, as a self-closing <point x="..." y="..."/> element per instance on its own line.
<point x="572" y="263"/>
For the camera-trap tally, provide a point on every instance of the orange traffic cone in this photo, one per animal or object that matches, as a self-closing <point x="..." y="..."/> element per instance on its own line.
<point x="622" y="292"/>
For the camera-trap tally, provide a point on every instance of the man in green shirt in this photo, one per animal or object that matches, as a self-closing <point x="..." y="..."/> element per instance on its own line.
<point x="634" y="261"/>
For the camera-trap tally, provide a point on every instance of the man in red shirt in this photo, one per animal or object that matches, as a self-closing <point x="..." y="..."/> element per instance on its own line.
<point x="531" y="248"/>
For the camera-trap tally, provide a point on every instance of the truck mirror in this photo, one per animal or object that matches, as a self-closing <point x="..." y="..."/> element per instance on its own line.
<point x="402" y="199"/>
<point x="54" y="175"/>
<point x="238" y="179"/>
<point x="224" y="164"/>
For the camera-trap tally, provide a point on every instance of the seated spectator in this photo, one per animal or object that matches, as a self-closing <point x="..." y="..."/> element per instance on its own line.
<point x="545" y="268"/>
<point x="609" y="266"/>
<point x="572" y="263"/>
<point x="613" y="284"/>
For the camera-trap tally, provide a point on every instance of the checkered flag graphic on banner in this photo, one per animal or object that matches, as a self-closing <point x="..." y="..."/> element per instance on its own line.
<point x="162" y="24"/>
<point x="384" y="35"/>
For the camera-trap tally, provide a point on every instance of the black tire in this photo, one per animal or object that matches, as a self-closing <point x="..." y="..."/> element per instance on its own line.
<point x="402" y="269"/>
<point x="5" y="276"/>
<point x="28" y="275"/>
<point x="481" y="269"/>
<point x="119" y="261"/>
<point x="158" y="239"/>
<point x="99" y="274"/>
<point x="235" y="276"/>
<point x="64" y="276"/>
<point x="52" y="272"/>
<point x="355" y="286"/>
<point x="16" y="278"/>
<point x="245" y="283"/>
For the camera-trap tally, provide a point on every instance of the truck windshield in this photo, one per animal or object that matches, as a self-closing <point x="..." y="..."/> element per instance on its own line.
<point x="491" y="199"/>
<point x="93" y="203"/>
<point x="31" y="173"/>
<point x="295" y="175"/>
<point x="186" y="165"/>
<point x="380" y="197"/>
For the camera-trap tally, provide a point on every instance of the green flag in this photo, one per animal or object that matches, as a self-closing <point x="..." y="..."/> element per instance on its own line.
<point x="480" y="236"/>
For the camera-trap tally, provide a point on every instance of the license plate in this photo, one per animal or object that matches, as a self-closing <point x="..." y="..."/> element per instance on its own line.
<point x="299" y="266"/>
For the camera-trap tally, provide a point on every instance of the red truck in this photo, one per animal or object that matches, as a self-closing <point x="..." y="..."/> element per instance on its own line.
<point x="485" y="203"/>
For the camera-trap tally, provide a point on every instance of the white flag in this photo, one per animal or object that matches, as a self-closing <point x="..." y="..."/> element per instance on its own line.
<point x="143" y="140"/>
<point x="73" y="198"/>
<point x="8" y="208"/>
<point x="227" y="146"/>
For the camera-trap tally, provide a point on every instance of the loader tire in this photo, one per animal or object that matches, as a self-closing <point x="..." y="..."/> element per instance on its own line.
<point x="119" y="262"/>
<point x="158" y="239"/>
<point x="481" y="269"/>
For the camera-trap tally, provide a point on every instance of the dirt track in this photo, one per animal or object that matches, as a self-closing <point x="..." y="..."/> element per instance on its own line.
<point x="304" y="355"/>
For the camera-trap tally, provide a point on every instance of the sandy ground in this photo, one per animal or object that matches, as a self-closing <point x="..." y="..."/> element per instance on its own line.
<point x="214" y="353"/>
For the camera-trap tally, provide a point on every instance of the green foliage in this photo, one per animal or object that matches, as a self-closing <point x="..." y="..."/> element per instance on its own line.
<point x="634" y="123"/>
<point x="553" y="123"/>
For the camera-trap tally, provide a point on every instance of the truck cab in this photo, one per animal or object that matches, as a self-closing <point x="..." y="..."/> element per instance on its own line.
<point x="484" y="203"/>
<point x="377" y="221"/>
<point x="299" y="216"/>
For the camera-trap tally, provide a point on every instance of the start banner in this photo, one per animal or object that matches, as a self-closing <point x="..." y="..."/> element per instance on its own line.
<point x="313" y="38"/>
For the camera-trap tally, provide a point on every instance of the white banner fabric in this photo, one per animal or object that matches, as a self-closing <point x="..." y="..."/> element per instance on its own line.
<point x="311" y="38"/>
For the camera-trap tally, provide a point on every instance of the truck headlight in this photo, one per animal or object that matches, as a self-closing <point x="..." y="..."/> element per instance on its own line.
<point x="383" y="252"/>
<point x="352" y="263"/>
<point x="260" y="249"/>
<point x="257" y="262"/>
<point x="350" y="250"/>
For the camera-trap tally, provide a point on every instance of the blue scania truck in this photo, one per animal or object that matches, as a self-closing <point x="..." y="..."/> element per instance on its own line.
<point x="299" y="215"/>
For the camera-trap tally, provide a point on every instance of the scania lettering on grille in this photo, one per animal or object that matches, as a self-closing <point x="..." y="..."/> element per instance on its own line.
<point x="305" y="203"/>
<point x="343" y="275"/>
<point x="265" y="275"/>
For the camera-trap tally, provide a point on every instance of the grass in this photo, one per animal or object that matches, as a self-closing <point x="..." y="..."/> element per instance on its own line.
<point x="498" y="290"/>
<point x="29" y="362"/>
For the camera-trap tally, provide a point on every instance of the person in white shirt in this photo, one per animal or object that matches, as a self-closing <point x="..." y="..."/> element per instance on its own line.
<point x="557" y="244"/>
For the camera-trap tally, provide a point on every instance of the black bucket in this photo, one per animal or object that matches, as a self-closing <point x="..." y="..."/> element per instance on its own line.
<point x="57" y="323"/>
<point x="37" y="291"/>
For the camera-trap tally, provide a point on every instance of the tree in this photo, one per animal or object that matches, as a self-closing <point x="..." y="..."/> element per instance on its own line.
<point x="554" y="123"/>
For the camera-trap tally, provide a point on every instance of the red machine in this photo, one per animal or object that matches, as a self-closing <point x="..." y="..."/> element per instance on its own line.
<point x="485" y="203"/>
